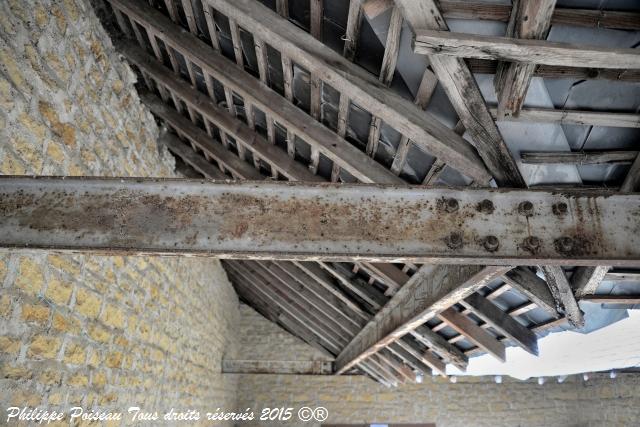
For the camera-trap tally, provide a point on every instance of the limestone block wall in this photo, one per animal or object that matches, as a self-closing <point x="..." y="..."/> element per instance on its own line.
<point x="96" y="331"/>
<point x="265" y="340"/>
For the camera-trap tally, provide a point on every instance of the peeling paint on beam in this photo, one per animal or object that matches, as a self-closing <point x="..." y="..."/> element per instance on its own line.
<point x="319" y="221"/>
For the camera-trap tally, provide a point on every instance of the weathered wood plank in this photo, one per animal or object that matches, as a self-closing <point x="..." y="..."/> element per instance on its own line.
<point x="474" y="333"/>
<point x="430" y="290"/>
<point x="352" y="34"/>
<point x="482" y="66"/>
<point x="622" y="275"/>
<point x="502" y="322"/>
<point x="395" y="278"/>
<point x="562" y="293"/>
<point x="463" y="92"/>
<point x="530" y="19"/>
<point x="573" y="117"/>
<point x="315" y="18"/>
<point x="585" y="280"/>
<point x="533" y="287"/>
<point x="501" y="12"/>
<point x="254" y="92"/>
<point x="612" y="299"/>
<point x="578" y="158"/>
<point x="200" y="138"/>
<point x="460" y="45"/>
<point x="632" y="180"/>
<point x="222" y="119"/>
<point x="424" y="129"/>
<point x="190" y="157"/>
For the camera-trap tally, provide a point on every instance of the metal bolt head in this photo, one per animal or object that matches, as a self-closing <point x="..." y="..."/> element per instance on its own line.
<point x="454" y="241"/>
<point x="486" y="206"/>
<point x="560" y="209"/>
<point x="451" y="205"/>
<point x="526" y="208"/>
<point x="564" y="244"/>
<point x="491" y="243"/>
<point x="531" y="243"/>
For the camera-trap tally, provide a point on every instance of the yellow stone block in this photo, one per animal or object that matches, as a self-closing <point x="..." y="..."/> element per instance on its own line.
<point x="99" y="379"/>
<point x="87" y="303"/>
<point x="9" y="345"/>
<point x="55" y="398"/>
<point x="14" y="372"/>
<point x="63" y="323"/>
<point x="64" y="263"/>
<point x="29" y="153"/>
<point x="74" y="354"/>
<point x="3" y="271"/>
<point x="113" y="316"/>
<point x="12" y="166"/>
<point x="59" y="291"/>
<point x="5" y="305"/>
<point x="79" y="380"/>
<point x="72" y="9"/>
<point x="55" y="153"/>
<point x="30" y="278"/>
<point x="13" y="71"/>
<point x="41" y="16"/>
<point x="44" y="347"/>
<point x="50" y="377"/>
<point x="61" y="21"/>
<point x="99" y="333"/>
<point x="36" y="128"/>
<point x="35" y="313"/>
<point x="114" y="359"/>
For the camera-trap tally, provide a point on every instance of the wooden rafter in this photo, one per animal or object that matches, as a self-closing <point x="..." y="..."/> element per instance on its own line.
<point x="563" y="294"/>
<point x="429" y="291"/>
<point x="585" y="280"/>
<point x="464" y="94"/>
<point x="530" y="19"/>
<point x="363" y="89"/>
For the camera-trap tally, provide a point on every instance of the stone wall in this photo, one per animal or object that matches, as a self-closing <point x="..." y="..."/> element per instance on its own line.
<point x="268" y="341"/>
<point x="96" y="331"/>
<point x="471" y="401"/>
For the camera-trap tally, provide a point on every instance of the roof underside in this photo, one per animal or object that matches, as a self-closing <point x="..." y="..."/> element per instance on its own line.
<point x="329" y="304"/>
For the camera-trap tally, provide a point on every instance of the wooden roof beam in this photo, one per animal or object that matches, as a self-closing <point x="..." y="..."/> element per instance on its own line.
<point x="474" y="333"/>
<point x="585" y="280"/>
<point x="573" y="117"/>
<point x="500" y="12"/>
<point x="464" y="93"/>
<point x="502" y="322"/>
<point x="190" y="157"/>
<point x="257" y="94"/>
<point x="533" y="288"/>
<point x="563" y="294"/>
<point x="361" y="86"/>
<point x="530" y="19"/>
<point x="578" y="157"/>
<point x="429" y="291"/>
<point x="460" y="45"/>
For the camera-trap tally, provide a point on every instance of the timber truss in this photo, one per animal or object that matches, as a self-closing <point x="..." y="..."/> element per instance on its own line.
<point x="390" y="280"/>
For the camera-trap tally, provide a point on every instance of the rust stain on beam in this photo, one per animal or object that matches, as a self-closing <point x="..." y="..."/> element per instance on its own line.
<point x="320" y="221"/>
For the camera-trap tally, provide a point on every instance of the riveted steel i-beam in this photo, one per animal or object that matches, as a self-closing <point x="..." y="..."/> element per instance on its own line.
<point x="313" y="221"/>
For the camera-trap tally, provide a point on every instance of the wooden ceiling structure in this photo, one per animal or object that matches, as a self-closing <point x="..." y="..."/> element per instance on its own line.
<point x="230" y="120"/>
